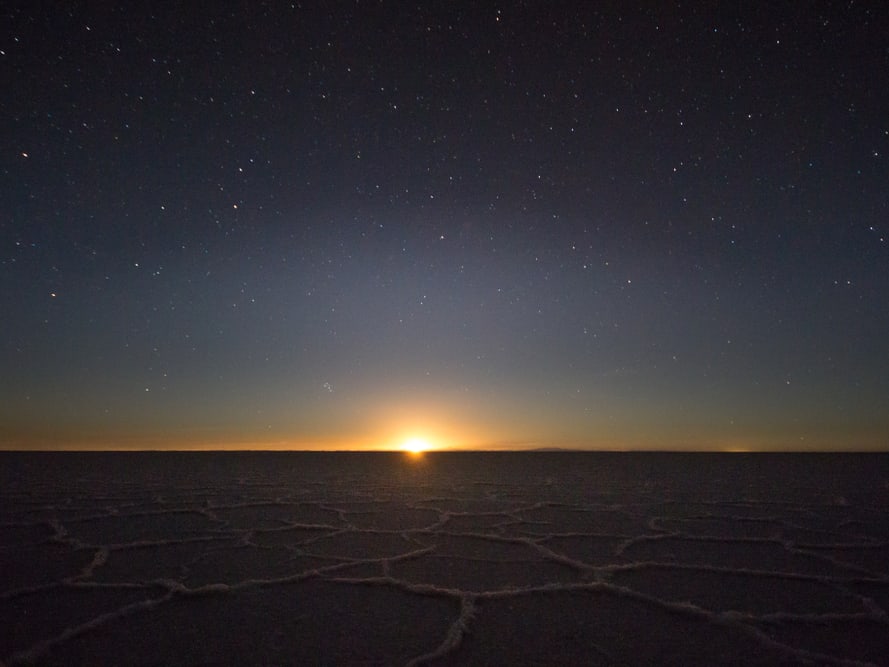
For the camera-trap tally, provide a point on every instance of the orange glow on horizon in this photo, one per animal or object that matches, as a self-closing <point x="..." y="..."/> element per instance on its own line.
<point x="416" y="445"/>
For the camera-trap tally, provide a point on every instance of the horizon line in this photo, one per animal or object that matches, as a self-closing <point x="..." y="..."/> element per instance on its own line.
<point x="442" y="450"/>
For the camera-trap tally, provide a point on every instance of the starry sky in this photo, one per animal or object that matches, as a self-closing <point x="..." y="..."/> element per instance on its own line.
<point x="491" y="225"/>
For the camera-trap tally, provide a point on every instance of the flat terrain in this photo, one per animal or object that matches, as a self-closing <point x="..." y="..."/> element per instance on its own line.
<point x="447" y="559"/>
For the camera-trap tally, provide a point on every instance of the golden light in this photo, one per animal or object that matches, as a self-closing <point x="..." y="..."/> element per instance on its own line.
<point x="416" y="446"/>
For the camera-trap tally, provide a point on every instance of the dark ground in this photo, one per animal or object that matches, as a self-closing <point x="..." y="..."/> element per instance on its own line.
<point x="453" y="558"/>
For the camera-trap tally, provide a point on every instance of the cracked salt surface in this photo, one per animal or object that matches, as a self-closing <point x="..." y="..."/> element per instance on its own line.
<point x="455" y="558"/>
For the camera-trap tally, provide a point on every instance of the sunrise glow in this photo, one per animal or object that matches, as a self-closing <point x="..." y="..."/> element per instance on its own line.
<point x="416" y="445"/>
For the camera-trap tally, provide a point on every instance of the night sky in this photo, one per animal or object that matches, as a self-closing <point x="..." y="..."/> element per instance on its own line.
<point x="528" y="224"/>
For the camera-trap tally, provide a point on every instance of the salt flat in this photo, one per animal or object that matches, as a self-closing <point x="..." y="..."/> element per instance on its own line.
<point x="452" y="558"/>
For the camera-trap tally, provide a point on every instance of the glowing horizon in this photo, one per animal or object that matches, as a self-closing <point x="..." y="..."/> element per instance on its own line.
<point x="867" y="442"/>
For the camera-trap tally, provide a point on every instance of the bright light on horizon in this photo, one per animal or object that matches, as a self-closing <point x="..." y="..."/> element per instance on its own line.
<point x="416" y="445"/>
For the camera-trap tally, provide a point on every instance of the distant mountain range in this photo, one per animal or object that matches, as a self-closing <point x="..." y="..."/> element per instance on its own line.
<point x="552" y="449"/>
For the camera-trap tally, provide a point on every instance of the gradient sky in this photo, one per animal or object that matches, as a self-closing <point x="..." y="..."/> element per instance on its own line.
<point x="528" y="224"/>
